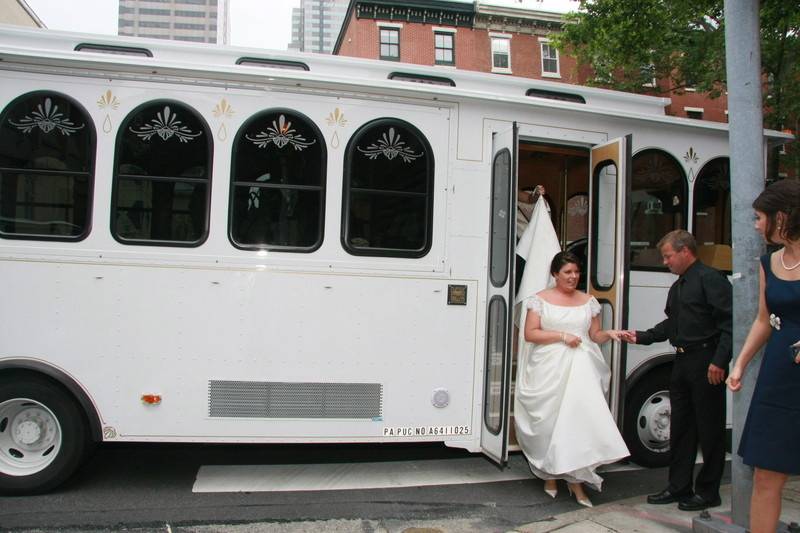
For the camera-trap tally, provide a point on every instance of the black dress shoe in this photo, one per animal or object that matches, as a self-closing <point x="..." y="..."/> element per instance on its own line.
<point x="698" y="503"/>
<point x="665" y="496"/>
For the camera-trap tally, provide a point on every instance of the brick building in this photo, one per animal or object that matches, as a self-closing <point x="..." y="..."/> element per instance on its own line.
<point x="481" y="36"/>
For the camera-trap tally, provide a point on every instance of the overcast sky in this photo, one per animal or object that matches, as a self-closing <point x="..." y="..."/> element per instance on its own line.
<point x="257" y="23"/>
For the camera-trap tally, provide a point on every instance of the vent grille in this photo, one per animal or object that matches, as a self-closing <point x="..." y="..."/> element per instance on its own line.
<point x="274" y="399"/>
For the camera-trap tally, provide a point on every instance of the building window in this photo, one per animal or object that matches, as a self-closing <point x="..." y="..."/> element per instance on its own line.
<point x="388" y="191"/>
<point x="712" y="214"/>
<point x="151" y="11"/>
<point x="162" y="176"/>
<point x="501" y="54"/>
<point x="185" y="13"/>
<point x="47" y="145"/>
<point x="694" y="112"/>
<point x="444" y="48"/>
<point x="658" y="205"/>
<point x="278" y="183"/>
<point x="390" y="44"/>
<point x="550" y="67"/>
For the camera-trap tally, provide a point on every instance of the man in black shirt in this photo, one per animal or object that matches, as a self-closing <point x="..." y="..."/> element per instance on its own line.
<point x="699" y="326"/>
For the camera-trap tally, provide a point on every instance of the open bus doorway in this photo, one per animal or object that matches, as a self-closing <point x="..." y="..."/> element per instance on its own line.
<point x="564" y="173"/>
<point x="587" y="191"/>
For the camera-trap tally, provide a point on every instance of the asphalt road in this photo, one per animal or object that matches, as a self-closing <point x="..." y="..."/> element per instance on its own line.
<point x="149" y="487"/>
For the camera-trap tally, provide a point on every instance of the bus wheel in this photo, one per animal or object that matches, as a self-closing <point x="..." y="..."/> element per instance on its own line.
<point x="647" y="419"/>
<point x="43" y="435"/>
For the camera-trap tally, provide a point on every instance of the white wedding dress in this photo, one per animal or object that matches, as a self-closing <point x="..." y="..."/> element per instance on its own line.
<point x="563" y="423"/>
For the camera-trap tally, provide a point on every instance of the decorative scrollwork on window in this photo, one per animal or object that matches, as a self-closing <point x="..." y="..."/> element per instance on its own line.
<point x="166" y="125"/>
<point x="47" y="119"/>
<point x="390" y="146"/>
<point x="280" y="134"/>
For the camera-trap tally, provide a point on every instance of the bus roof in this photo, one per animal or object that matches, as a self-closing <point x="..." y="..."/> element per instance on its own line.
<point x="164" y="60"/>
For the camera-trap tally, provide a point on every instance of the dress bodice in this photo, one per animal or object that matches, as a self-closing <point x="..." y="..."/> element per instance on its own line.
<point x="573" y="319"/>
<point x="783" y="296"/>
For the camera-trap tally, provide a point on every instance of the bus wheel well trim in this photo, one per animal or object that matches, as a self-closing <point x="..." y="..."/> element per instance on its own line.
<point x="646" y="426"/>
<point x="24" y="367"/>
<point x="44" y="436"/>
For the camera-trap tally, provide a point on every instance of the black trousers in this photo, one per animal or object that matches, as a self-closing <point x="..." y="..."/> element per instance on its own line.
<point x="698" y="415"/>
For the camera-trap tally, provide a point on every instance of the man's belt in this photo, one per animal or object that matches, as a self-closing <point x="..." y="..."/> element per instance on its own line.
<point x="695" y="347"/>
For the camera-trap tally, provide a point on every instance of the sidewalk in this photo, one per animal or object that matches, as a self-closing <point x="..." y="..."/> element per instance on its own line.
<point x="636" y="515"/>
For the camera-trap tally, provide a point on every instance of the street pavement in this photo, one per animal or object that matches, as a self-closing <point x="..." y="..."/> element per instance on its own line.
<point x="633" y="515"/>
<point x="636" y="515"/>
<point x="624" y="516"/>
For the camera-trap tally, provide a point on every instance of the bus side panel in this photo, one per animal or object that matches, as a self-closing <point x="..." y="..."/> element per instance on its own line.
<point x="170" y="332"/>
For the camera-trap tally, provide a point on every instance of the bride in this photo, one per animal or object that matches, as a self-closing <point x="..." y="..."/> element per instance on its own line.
<point x="562" y="420"/>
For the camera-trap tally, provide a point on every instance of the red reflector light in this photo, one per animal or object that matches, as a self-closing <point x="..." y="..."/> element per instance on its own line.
<point x="152" y="399"/>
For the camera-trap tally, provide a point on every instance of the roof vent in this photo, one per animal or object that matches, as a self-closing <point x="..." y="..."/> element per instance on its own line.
<point x="271" y="63"/>
<point x="421" y="78"/>
<point x="556" y="95"/>
<point x="114" y="49"/>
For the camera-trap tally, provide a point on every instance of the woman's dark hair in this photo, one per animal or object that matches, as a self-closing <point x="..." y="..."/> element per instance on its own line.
<point x="781" y="197"/>
<point x="561" y="259"/>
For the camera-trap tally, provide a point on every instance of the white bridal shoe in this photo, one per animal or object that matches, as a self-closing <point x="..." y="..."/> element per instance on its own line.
<point x="584" y="500"/>
<point x="551" y="490"/>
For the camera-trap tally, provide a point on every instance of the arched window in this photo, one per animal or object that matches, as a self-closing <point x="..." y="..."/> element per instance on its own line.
<point x="658" y="205"/>
<point x="278" y="183"/>
<point x="388" y="191"/>
<point x="47" y="145"/>
<point x="712" y="214"/>
<point x="162" y="176"/>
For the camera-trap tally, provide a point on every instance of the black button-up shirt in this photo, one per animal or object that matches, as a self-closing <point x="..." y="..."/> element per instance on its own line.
<point x="698" y="311"/>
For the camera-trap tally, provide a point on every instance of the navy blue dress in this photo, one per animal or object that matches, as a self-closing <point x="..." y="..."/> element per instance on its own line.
<point x="771" y="435"/>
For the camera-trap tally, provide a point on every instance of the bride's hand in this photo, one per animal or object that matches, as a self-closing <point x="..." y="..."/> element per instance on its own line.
<point x="615" y="334"/>
<point x="573" y="341"/>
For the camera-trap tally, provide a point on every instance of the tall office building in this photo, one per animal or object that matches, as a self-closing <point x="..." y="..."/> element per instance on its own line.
<point x="203" y="21"/>
<point x="316" y="23"/>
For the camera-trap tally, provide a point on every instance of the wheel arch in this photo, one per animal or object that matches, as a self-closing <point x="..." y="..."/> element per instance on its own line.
<point x="646" y="367"/>
<point x="40" y="368"/>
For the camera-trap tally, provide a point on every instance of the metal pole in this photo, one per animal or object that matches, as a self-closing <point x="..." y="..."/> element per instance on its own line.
<point x="743" y="63"/>
<point x="746" y="139"/>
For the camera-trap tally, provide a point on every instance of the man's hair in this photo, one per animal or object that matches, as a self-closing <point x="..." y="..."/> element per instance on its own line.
<point x="679" y="239"/>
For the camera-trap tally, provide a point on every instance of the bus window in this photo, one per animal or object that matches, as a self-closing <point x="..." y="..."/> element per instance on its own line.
<point x="605" y="212"/>
<point x="162" y="176"/>
<point x="47" y="145"/>
<point x="388" y="191"/>
<point x="712" y="214"/>
<point x="658" y="205"/>
<point x="278" y="183"/>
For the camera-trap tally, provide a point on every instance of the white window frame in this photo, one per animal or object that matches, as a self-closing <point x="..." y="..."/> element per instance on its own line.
<point x="688" y="110"/>
<point x="389" y="26"/>
<point x="498" y="37"/>
<point x="545" y="74"/>
<point x="452" y="32"/>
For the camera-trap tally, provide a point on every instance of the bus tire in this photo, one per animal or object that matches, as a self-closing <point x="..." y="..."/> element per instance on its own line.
<point x="647" y="419"/>
<point x="43" y="435"/>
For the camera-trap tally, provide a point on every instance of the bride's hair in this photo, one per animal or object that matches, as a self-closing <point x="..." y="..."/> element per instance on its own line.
<point x="561" y="259"/>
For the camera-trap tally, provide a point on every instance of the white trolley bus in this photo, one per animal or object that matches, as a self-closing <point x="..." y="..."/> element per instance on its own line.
<point x="209" y="244"/>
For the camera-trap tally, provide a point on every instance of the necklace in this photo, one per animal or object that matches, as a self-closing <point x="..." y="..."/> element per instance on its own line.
<point x="784" y="264"/>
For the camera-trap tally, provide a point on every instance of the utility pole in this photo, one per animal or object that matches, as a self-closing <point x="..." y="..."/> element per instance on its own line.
<point x="746" y="139"/>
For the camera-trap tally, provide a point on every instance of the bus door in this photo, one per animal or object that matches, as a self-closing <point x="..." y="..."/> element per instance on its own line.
<point x="609" y="249"/>
<point x="500" y="298"/>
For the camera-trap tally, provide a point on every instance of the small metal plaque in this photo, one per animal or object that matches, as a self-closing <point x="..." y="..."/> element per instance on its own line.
<point x="456" y="295"/>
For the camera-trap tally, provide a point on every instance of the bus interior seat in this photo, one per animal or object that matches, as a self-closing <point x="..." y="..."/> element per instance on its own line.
<point x="716" y="255"/>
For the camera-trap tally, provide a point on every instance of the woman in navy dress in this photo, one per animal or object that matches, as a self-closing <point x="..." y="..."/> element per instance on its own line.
<point x="771" y="433"/>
